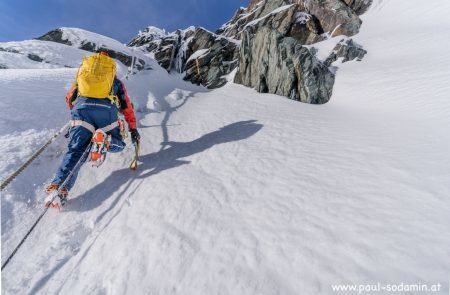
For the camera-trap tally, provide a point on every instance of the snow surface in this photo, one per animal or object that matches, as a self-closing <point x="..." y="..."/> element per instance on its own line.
<point x="78" y="36"/>
<point x="54" y="55"/>
<point x="247" y="193"/>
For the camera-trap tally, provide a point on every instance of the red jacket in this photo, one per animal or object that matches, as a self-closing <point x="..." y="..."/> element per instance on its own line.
<point x="124" y="100"/>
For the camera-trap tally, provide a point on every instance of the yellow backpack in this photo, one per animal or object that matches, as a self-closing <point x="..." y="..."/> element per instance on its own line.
<point x="95" y="77"/>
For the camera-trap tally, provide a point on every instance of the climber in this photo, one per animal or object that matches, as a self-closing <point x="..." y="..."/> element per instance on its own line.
<point x="95" y="100"/>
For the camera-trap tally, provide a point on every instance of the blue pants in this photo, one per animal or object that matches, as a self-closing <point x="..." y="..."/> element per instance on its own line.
<point x="99" y="113"/>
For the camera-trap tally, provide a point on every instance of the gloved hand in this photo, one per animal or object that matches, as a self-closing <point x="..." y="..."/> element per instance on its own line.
<point x="135" y="137"/>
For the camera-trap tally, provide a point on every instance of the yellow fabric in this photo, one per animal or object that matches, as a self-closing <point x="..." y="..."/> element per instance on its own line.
<point x="95" y="77"/>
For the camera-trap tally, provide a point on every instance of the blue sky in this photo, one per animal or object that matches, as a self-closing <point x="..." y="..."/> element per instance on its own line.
<point x="119" y="19"/>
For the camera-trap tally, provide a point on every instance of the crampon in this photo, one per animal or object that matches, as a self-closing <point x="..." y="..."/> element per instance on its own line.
<point x="56" y="197"/>
<point x="100" y="147"/>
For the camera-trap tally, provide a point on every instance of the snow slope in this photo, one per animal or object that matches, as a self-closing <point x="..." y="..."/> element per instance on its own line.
<point x="246" y="193"/>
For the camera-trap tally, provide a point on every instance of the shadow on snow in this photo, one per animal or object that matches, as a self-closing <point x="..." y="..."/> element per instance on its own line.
<point x="170" y="156"/>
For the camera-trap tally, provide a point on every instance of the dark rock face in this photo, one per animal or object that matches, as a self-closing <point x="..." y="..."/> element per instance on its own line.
<point x="359" y="6"/>
<point x="348" y="50"/>
<point x="2" y="66"/>
<point x="216" y="57"/>
<point x="123" y="58"/>
<point x="55" y="36"/>
<point x="306" y="29"/>
<point x="335" y="16"/>
<point x="270" y="56"/>
<point x="213" y="56"/>
<point x="332" y="16"/>
<point x="167" y="48"/>
<point x="35" y="57"/>
<point x="275" y="64"/>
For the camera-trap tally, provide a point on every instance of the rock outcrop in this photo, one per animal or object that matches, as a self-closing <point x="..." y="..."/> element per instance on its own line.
<point x="359" y="6"/>
<point x="272" y="56"/>
<point x="147" y="36"/>
<point x="203" y="56"/>
<point x="55" y="36"/>
<point x="271" y="43"/>
<point x="347" y="50"/>
<point x="271" y="63"/>
<point x="166" y="47"/>
<point x="335" y="17"/>
<point x="211" y="57"/>
<point x="329" y="16"/>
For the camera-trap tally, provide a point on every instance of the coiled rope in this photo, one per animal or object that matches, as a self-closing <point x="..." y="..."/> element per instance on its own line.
<point x="31" y="159"/>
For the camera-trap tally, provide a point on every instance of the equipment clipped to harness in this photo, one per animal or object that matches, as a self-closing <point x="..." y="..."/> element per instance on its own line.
<point x="123" y="131"/>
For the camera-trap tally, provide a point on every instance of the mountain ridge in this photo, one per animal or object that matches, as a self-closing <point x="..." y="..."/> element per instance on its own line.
<point x="271" y="46"/>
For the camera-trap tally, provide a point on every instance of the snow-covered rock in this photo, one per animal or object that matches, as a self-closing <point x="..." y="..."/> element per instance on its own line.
<point x="347" y="50"/>
<point x="288" y="24"/>
<point x="168" y="49"/>
<point x="94" y="42"/>
<point x="328" y="15"/>
<point x="211" y="58"/>
<point x="33" y="54"/>
<point x="148" y="35"/>
<point x="271" y="63"/>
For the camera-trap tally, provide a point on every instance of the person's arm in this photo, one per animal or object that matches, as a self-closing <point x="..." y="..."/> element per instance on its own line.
<point x="71" y="96"/>
<point x="126" y="106"/>
<point x="128" y="112"/>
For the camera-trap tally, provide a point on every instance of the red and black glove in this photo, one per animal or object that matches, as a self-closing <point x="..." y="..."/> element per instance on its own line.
<point x="135" y="137"/>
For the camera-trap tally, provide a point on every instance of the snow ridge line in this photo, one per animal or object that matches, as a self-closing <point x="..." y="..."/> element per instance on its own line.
<point x="31" y="159"/>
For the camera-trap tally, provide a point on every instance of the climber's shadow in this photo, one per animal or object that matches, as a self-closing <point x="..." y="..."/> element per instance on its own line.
<point x="171" y="155"/>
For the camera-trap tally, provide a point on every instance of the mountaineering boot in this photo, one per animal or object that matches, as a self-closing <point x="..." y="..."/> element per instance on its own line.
<point x="100" y="145"/>
<point x="55" y="198"/>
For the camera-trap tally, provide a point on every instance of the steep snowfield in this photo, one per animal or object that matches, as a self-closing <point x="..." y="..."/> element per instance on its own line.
<point x="245" y="193"/>
<point x="54" y="55"/>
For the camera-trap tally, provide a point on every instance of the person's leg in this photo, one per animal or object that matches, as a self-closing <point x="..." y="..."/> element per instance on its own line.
<point x="104" y="117"/>
<point x="117" y="144"/>
<point x="80" y="138"/>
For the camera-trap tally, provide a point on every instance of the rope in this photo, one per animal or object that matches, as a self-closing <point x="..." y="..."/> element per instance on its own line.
<point x="31" y="159"/>
<point x="23" y="240"/>
<point x="80" y="161"/>
<point x="198" y="68"/>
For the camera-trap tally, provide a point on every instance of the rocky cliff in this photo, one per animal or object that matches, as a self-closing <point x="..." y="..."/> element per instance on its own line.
<point x="270" y="44"/>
